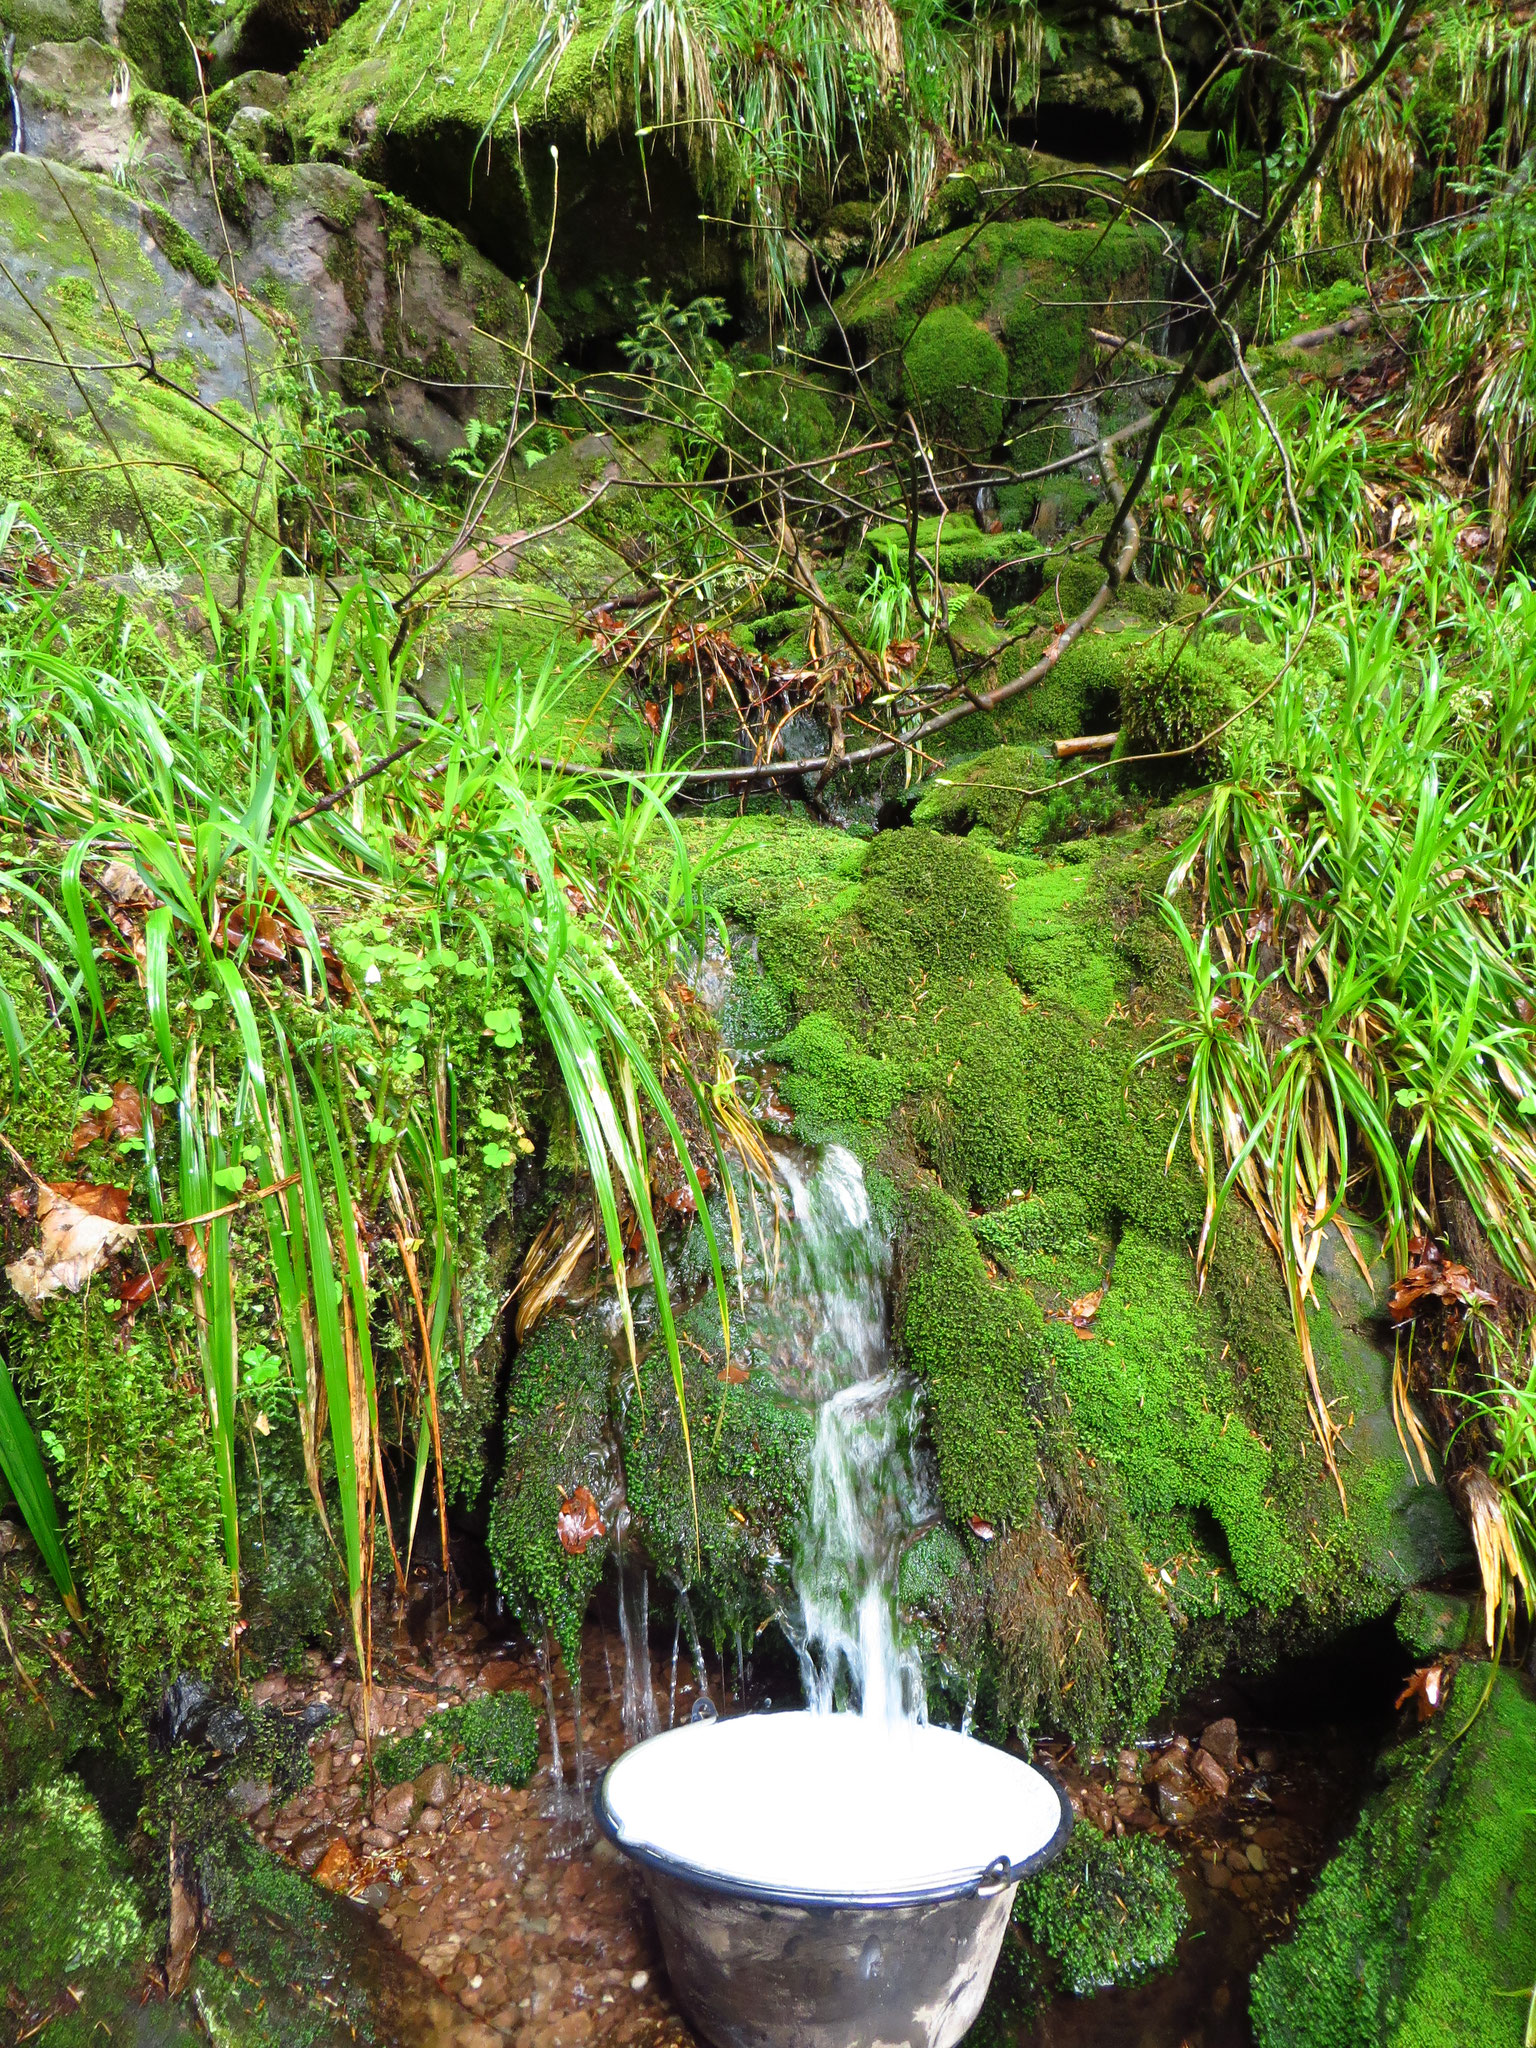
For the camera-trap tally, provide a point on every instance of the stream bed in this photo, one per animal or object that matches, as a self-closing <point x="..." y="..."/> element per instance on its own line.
<point x="529" y="1929"/>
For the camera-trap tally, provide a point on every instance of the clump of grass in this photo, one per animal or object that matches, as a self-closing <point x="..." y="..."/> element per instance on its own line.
<point x="495" y="1739"/>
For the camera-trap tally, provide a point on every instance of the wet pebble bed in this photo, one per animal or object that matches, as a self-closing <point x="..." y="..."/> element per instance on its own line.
<point x="539" y="1933"/>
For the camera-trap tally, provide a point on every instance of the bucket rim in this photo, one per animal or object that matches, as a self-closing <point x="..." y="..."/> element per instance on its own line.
<point x="987" y="1882"/>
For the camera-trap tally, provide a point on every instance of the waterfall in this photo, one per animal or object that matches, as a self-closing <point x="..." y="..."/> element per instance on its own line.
<point x="867" y="1492"/>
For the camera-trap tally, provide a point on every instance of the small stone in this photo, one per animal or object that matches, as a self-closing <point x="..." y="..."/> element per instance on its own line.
<point x="1174" y="1803"/>
<point x="375" y="1895"/>
<point x="1237" y="1860"/>
<point x="434" y="1787"/>
<point x="379" y="1838"/>
<point x="1128" y="1767"/>
<point x="1210" y="1774"/>
<point x="393" y="1809"/>
<point x="1267" y="1760"/>
<point x="1219" y="1739"/>
<point x="248" y="1796"/>
<point x="499" y="1674"/>
<point x="267" y="1689"/>
<point x="311" y="1846"/>
<point x="335" y="1867"/>
<point x="639" y="1980"/>
<point x="1256" y="1859"/>
<point x="476" y="2035"/>
<point x="1216" y="1875"/>
<point x="430" y="1821"/>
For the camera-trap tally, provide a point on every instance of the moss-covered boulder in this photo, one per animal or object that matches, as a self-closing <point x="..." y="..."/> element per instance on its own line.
<point x="1423" y="1928"/>
<point x="1036" y="286"/>
<point x="558" y="1439"/>
<point x="152" y="34"/>
<point x="419" y="98"/>
<point x="399" y="315"/>
<point x="103" y="450"/>
<point x="954" y="375"/>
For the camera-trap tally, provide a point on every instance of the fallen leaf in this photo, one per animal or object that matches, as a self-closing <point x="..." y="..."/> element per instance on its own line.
<point x="82" y="1225"/>
<point x="192" y="1245"/>
<point x="1082" y="1311"/>
<point x="186" y="1923"/>
<point x="1427" y="1687"/>
<point x="982" y="1531"/>
<point x="123" y="1118"/>
<point x="1431" y="1276"/>
<point x="578" y="1521"/>
<point x="733" y="1376"/>
<point x="139" y="1287"/>
<point x="125" y="887"/>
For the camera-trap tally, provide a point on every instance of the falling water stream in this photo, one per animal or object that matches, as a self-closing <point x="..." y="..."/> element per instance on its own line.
<point x="867" y="1490"/>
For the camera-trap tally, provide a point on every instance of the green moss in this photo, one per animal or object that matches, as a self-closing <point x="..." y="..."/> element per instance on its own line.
<point x="1177" y="691"/>
<point x="1422" y="1930"/>
<point x="751" y="1452"/>
<point x="1433" y="1624"/>
<point x="180" y="248"/>
<point x="495" y="1739"/>
<point x="556" y="1432"/>
<point x="1148" y="1390"/>
<point x="955" y="377"/>
<point x="152" y="34"/>
<point x="1035" y="282"/>
<point x="789" y="414"/>
<point x="975" y="1347"/>
<point x="1106" y="1912"/>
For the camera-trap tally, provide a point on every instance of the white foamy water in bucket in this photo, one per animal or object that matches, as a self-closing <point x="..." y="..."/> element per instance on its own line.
<point x="830" y="1805"/>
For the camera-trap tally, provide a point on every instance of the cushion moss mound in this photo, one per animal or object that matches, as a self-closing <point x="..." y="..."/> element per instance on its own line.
<point x="495" y="1739"/>
<point x="1422" y="1930"/>
<point x="955" y="377"/>
<point x="1107" y="1912"/>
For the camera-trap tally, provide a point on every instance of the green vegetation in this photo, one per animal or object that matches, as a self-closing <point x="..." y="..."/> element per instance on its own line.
<point x="1421" y="1928"/>
<point x="1106" y="1912"/>
<point x="495" y="1739"/>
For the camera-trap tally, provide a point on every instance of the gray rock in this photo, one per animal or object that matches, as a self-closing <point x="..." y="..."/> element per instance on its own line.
<point x="435" y="1785"/>
<point x="247" y="1796"/>
<point x="395" y="1809"/>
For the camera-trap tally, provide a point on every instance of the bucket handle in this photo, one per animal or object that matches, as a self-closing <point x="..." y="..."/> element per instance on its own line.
<point x="996" y="1878"/>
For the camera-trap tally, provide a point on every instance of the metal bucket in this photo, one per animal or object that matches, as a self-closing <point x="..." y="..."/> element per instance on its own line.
<point x="757" y="1965"/>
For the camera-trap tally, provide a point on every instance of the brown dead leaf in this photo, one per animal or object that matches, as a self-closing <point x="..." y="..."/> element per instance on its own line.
<point x="1427" y="1689"/>
<point x="1431" y="1276"/>
<point x="82" y="1225"/>
<point x="141" y="1287"/>
<point x="578" y="1521"/>
<point x="193" y="1246"/>
<point x="126" y="889"/>
<point x="123" y="1118"/>
<point x="982" y="1531"/>
<point x="733" y="1376"/>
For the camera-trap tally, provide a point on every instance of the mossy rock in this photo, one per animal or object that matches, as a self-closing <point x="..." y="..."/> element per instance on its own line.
<point x="751" y="1446"/>
<point x="170" y="467"/>
<point x="1106" y="1912"/>
<point x="1422" y="1930"/>
<point x="791" y="416"/>
<point x="954" y="375"/>
<point x="557" y="1439"/>
<point x="151" y="34"/>
<point x="1037" y="286"/>
<point x="495" y="1739"/>
<point x="415" y="98"/>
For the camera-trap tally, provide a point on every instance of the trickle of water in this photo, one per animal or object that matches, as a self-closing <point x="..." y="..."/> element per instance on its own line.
<point x="867" y="1488"/>
<point x="639" y="1704"/>
<point x="677" y="1637"/>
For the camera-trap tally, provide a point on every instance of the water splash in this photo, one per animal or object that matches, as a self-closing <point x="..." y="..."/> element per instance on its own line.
<point x="639" y="1703"/>
<point x="867" y="1491"/>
